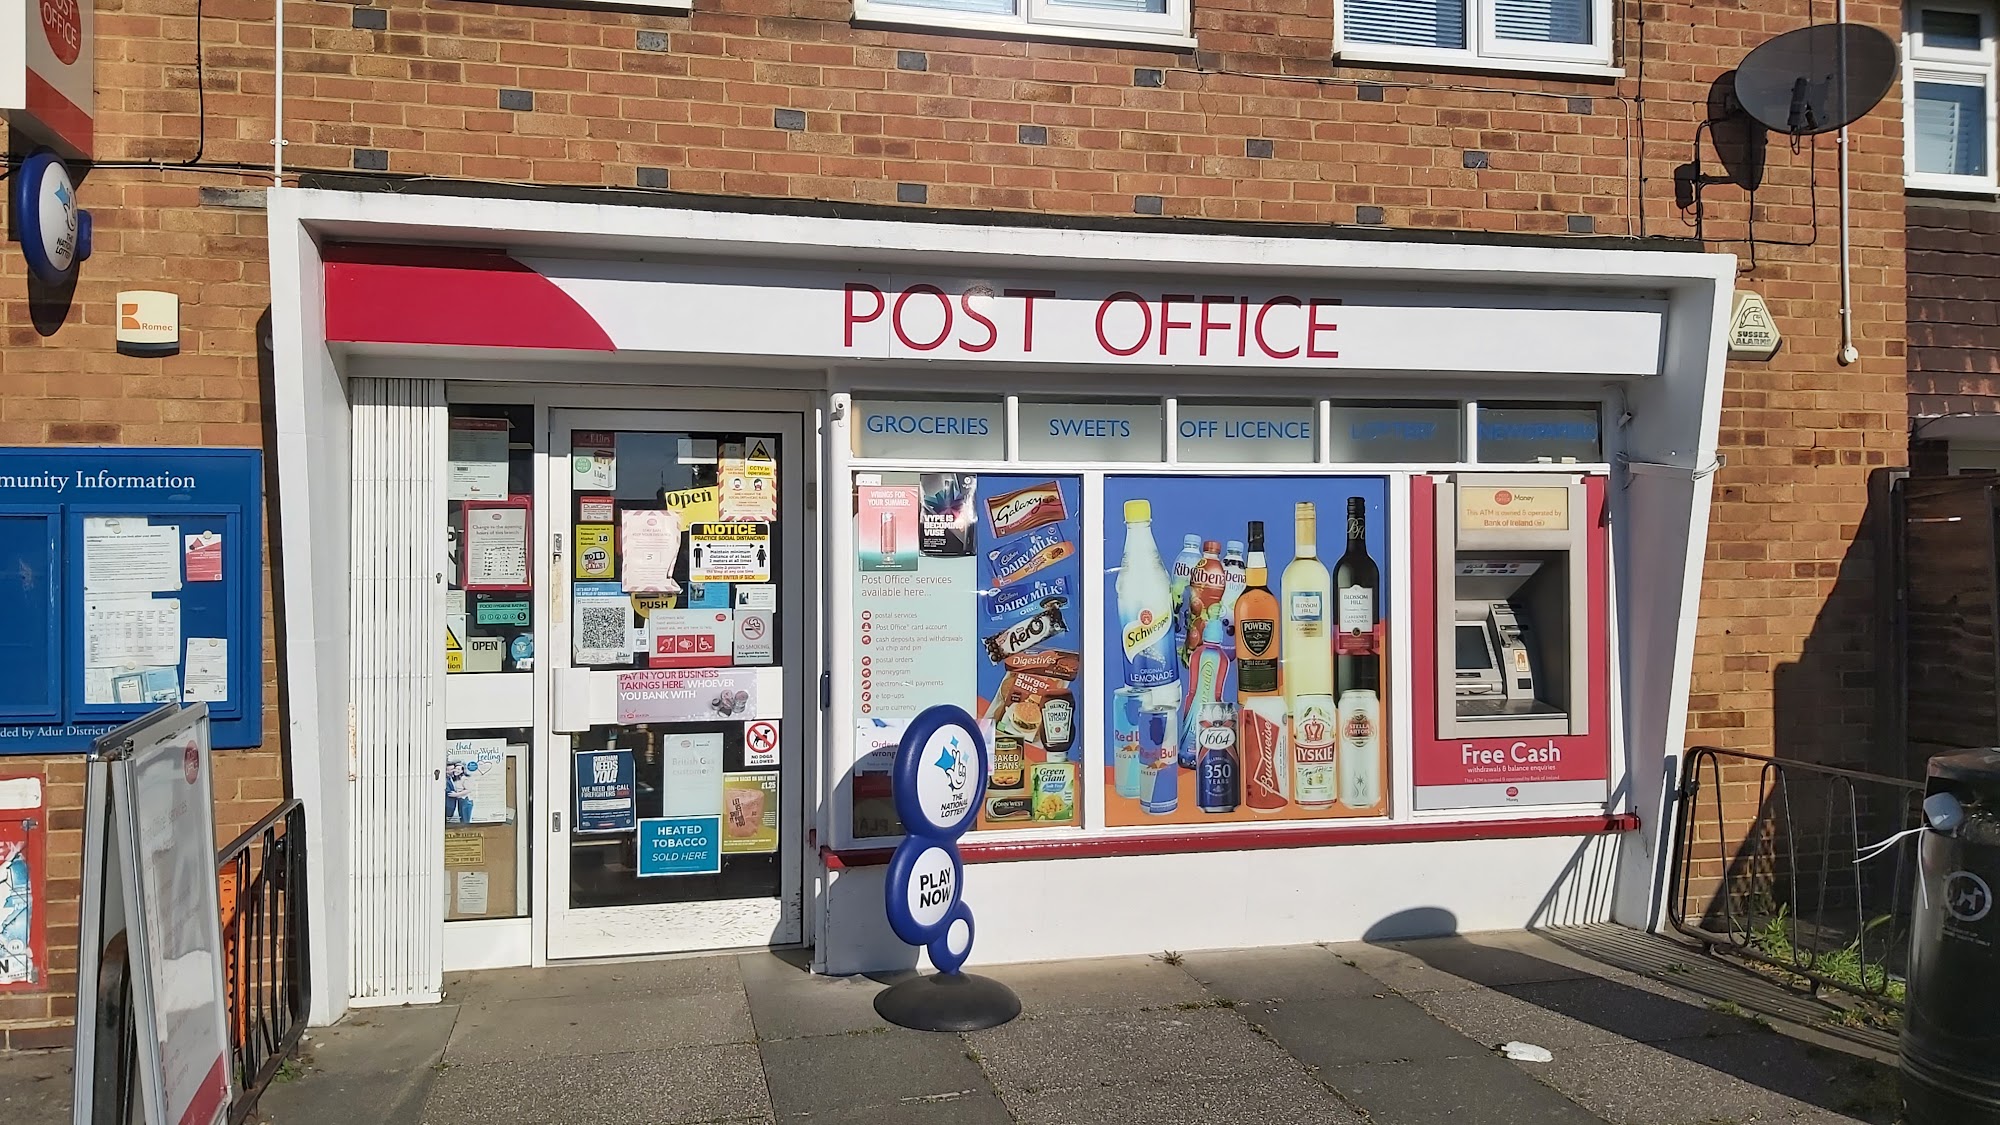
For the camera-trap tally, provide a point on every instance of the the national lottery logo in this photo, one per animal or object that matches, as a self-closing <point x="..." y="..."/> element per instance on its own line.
<point x="952" y="762"/>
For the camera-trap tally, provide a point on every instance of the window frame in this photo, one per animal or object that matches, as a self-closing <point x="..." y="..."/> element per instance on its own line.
<point x="1044" y="19"/>
<point x="1485" y="50"/>
<point x="1949" y="66"/>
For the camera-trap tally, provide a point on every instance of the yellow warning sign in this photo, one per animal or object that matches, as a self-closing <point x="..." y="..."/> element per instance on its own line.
<point x="454" y="653"/>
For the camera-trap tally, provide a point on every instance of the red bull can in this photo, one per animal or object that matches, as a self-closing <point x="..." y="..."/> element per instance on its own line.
<point x="1159" y="763"/>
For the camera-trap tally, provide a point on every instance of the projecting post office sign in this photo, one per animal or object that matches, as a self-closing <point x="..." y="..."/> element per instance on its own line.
<point x="1752" y="332"/>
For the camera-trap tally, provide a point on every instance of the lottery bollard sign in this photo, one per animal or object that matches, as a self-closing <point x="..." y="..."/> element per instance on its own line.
<point x="938" y="782"/>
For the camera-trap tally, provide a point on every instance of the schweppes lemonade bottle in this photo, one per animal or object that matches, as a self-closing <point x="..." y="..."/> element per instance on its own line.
<point x="1146" y="614"/>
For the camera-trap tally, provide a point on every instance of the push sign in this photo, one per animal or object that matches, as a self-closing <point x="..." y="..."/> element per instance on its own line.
<point x="938" y="781"/>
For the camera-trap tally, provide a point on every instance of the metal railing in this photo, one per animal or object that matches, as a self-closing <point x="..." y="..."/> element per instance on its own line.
<point x="262" y="879"/>
<point x="1765" y="867"/>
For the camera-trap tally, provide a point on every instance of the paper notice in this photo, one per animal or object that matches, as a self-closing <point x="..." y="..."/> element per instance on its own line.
<point x="472" y="887"/>
<point x="603" y="614"/>
<point x="764" y="597"/>
<point x="477" y="450"/>
<point x="97" y="685"/>
<point x="204" y="557"/>
<point x="729" y="552"/>
<point x="126" y="555"/>
<point x="473" y="891"/>
<point x="594" y="543"/>
<point x="205" y="678"/>
<point x="139" y="686"/>
<point x="749" y="812"/>
<point x="464" y="847"/>
<point x="747" y="475"/>
<point x="693" y="775"/>
<point x="593" y="461"/>
<point x="496" y="548"/>
<point x="649" y="545"/>
<point x="118" y="632"/>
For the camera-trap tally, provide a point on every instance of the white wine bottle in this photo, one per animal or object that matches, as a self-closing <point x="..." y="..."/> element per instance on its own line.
<point x="1307" y="653"/>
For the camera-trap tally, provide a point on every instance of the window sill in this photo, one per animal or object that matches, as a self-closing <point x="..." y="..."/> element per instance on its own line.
<point x="1961" y="187"/>
<point x="1462" y="61"/>
<point x="1255" y="839"/>
<point x="947" y="22"/>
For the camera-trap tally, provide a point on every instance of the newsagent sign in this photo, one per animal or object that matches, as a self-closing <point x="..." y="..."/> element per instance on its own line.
<point x="1189" y="321"/>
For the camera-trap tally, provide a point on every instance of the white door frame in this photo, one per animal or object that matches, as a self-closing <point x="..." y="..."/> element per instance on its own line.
<point x="625" y="931"/>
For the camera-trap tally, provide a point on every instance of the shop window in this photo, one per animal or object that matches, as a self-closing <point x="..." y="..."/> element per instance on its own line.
<point x="1541" y="35"/>
<point x="1396" y="433"/>
<point x="1525" y="433"/>
<point x="1144" y="21"/>
<point x="1949" y="63"/>
<point x="486" y="778"/>
<point x="969" y="589"/>
<point x="1088" y="430"/>
<point x="1271" y="433"/>
<point x="490" y="602"/>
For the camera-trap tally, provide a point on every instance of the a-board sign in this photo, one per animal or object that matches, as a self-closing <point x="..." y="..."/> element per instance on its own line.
<point x="150" y="954"/>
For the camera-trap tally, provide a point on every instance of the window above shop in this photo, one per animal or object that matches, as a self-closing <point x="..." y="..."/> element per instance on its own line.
<point x="1949" y="63"/>
<point x="1569" y="36"/>
<point x="1157" y="22"/>
<point x="1532" y="433"/>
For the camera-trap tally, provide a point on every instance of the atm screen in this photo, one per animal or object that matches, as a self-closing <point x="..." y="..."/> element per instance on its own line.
<point x="1473" y="653"/>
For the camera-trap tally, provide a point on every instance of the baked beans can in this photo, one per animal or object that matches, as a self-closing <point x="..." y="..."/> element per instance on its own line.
<point x="1264" y="745"/>
<point x="1218" y="773"/>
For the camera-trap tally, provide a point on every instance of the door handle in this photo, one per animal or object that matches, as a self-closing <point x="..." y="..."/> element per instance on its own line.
<point x="555" y="824"/>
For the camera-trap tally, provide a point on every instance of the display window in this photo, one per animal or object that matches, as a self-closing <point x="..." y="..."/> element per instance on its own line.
<point x="1177" y="614"/>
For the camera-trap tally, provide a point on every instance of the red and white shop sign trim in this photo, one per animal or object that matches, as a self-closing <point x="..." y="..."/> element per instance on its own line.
<point x="472" y="298"/>
<point x="48" y="71"/>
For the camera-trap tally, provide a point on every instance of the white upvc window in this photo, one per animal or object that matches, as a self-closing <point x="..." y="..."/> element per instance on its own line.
<point x="1948" y="79"/>
<point x="1546" y="36"/>
<point x="1150" y="22"/>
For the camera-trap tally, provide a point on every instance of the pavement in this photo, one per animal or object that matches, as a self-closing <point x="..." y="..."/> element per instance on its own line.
<point x="1643" y="1031"/>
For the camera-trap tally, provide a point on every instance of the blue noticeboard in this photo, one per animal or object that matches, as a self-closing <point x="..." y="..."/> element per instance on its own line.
<point x="94" y="638"/>
<point x="680" y="845"/>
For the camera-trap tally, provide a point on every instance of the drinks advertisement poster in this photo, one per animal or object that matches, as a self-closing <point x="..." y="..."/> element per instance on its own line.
<point x="1246" y="677"/>
<point x="968" y="590"/>
<point x="20" y="921"/>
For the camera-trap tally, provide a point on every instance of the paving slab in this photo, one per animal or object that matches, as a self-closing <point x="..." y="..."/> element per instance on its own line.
<point x="377" y="1065"/>
<point x="35" y="1088"/>
<point x="1102" y="984"/>
<point x="1658" y="1084"/>
<point x="680" y="1087"/>
<point x="1327" y="1033"/>
<point x="684" y="976"/>
<point x="1580" y="1013"/>
<point x="1292" y="973"/>
<point x="1482" y="1089"/>
<point x="786" y="1003"/>
<point x="1284" y="1097"/>
<point x="1456" y="963"/>
<point x="560" y="1026"/>
<point x="963" y="1109"/>
<point x="1072" y="1052"/>
<point x="869" y="1070"/>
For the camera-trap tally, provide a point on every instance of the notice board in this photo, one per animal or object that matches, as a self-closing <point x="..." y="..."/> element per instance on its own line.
<point x="136" y="577"/>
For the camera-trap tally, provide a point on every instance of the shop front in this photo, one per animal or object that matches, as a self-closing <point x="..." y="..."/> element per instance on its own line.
<point x="1305" y="588"/>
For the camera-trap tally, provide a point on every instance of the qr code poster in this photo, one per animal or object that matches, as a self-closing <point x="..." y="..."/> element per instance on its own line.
<point x="20" y="909"/>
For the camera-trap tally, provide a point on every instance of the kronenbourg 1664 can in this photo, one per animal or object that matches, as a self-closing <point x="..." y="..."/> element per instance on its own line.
<point x="1127" y="714"/>
<point x="1263" y="741"/>
<point x="1217" y="773"/>
<point x="1159" y="763"/>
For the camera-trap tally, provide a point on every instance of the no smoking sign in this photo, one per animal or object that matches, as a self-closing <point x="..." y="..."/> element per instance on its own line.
<point x="760" y="742"/>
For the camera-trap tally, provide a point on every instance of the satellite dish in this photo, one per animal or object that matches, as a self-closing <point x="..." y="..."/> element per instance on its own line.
<point x="1817" y="79"/>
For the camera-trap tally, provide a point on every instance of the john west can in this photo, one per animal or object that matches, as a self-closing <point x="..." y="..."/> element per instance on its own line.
<point x="1218" y="784"/>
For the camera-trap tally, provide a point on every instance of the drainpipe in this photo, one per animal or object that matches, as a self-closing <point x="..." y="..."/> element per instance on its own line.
<point x="278" y="96"/>
<point x="1848" y="352"/>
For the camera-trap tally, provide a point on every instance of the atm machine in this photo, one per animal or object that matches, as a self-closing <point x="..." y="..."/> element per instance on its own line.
<point x="1518" y="634"/>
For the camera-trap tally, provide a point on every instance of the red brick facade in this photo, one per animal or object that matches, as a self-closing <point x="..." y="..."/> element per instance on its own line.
<point x="692" y="103"/>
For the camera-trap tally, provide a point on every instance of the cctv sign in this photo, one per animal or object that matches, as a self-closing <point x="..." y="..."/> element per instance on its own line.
<point x="48" y="71"/>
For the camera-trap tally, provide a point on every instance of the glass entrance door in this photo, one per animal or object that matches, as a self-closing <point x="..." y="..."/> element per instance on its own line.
<point x="679" y="650"/>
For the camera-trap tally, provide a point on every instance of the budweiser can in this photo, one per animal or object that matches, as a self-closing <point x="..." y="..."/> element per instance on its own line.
<point x="1262" y="740"/>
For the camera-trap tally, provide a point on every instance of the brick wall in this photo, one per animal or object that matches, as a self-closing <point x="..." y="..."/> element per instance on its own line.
<point x="1954" y="308"/>
<point x="785" y="98"/>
